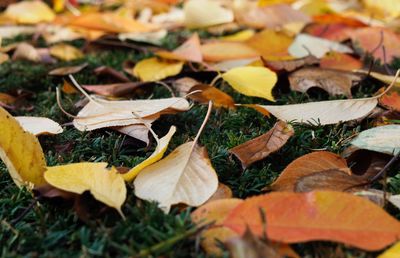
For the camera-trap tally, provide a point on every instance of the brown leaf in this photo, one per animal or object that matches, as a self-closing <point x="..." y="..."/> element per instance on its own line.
<point x="260" y="147"/>
<point x="308" y="165"/>
<point x="218" y="97"/>
<point x="290" y="65"/>
<point x="62" y="71"/>
<point x="332" y="179"/>
<point x="114" y="90"/>
<point x="111" y="73"/>
<point x="335" y="82"/>
<point x="183" y="85"/>
<point x="223" y="192"/>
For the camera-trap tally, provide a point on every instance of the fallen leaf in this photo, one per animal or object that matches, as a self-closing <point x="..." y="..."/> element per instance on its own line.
<point x="270" y="43"/>
<point x="340" y="61"/>
<point x="162" y="145"/>
<point x="30" y="12"/>
<point x="223" y="192"/>
<point x="336" y="32"/>
<point x="138" y="131"/>
<point x="183" y="85"/>
<point x="25" y="51"/>
<point x="152" y="37"/>
<point x="199" y="14"/>
<point x="154" y="69"/>
<point x="384" y="139"/>
<point x="307" y="165"/>
<point x="372" y="40"/>
<point x="66" y="70"/>
<point x="383" y="77"/>
<point x="185" y="176"/>
<point x="190" y="51"/>
<point x="392" y="252"/>
<point x="252" y="81"/>
<point x="391" y="100"/>
<point x="262" y="146"/>
<point x="227" y="50"/>
<point x="333" y="179"/>
<point x="106" y="186"/>
<point x="325" y="215"/>
<point x="305" y="45"/>
<point x="115" y="89"/>
<point x="39" y="125"/>
<point x="7" y="98"/>
<point x="100" y="113"/>
<point x="21" y="152"/>
<point x="335" y="82"/>
<point x="289" y="65"/>
<point x="218" y="97"/>
<point x="65" y="52"/>
<point x="383" y="8"/>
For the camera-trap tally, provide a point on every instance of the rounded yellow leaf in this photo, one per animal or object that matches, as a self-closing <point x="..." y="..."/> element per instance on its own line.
<point x="30" y="12"/>
<point x="21" y="152"/>
<point x="105" y="185"/>
<point x="154" y="69"/>
<point x="65" y="52"/>
<point x="252" y="81"/>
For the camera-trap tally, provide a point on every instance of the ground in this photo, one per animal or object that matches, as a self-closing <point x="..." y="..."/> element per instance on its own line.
<point x="52" y="229"/>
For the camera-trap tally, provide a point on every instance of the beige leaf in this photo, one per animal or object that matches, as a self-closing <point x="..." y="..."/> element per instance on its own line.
<point x="205" y="13"/>
<point x="25" y="51"/>
<point x="31" y="12"/>
<point x="138" y="131"/>
<point x="99" y="113"/>
<point x="39" y="125"/>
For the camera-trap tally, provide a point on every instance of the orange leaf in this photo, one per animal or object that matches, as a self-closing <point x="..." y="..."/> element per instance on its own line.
<point x="190" y="50"/>
<point x="307" y="165"/>
<point x="340" y="61"/>
<point x="222" y="51"/>
<point x="391" y="100"/>
<point x="270" y="43"/>
<point x="325" y="215"/>
<point x="218" y="97"/>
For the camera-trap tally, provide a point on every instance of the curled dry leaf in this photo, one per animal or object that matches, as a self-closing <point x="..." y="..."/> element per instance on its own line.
<point x="63" y="71"/>
<point x="290" y="65"/>
<point x="138" y="131"/>
<point x="162" y="145"/>
<point x="188" y="51"/>
<point x="209" y="93"/>
<point x="99" y="113"/>
<point x="226" y="50"/>
<point x="115" y="89"/>
<point x="260" y="147"/>
<point x="205" y="13"/>
<point x="39" y="125"/>
<point x="305" y="45"/>
<point x="307" y="165"/>
<point x="320" y="215"/>
<point x="154" y="69"/>
<point x="185" y="176"/>
<point x="252" y="81"/>
<point x="106" y="186"/>
<point x="335" y="82"/>
<point x="384" y="139"/>
<point x="21" y="152"/>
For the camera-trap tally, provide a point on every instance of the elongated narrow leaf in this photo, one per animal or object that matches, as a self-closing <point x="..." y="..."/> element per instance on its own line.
<point x="326" y="215"/>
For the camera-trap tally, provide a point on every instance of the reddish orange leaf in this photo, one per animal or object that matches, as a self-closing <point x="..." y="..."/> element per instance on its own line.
<point x="336" y="32"/>
<point x="218" y="97"/>
<point x="372" y="40"/>
<point x="188" y="51"/>
<point x="325" y="215"/>
<point x="334" y="18"/>
<point x="391" y="100"/>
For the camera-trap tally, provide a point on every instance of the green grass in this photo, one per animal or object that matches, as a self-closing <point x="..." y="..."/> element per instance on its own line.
<point x="52" y="229"/>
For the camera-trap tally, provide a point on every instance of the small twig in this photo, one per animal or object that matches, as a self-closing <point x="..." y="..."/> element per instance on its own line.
<point x="386" y="168"/>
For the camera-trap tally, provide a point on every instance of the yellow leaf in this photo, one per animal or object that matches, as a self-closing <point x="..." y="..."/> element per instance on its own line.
<point x="65" y="52"/>
<point x="30" y="12"/>
<point x="21" y="152"/>
<point x="205" y="13"/>
<point x="273" y="2"/>
<point x="383" y="7"/>
<point x="252" y="81"/>
<point x="154" y="69"/>
<point x="239" y="36"/>
<point x="106" y="186"/>
<point x="156" y="156"/>
<point x="392" y="252"/>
